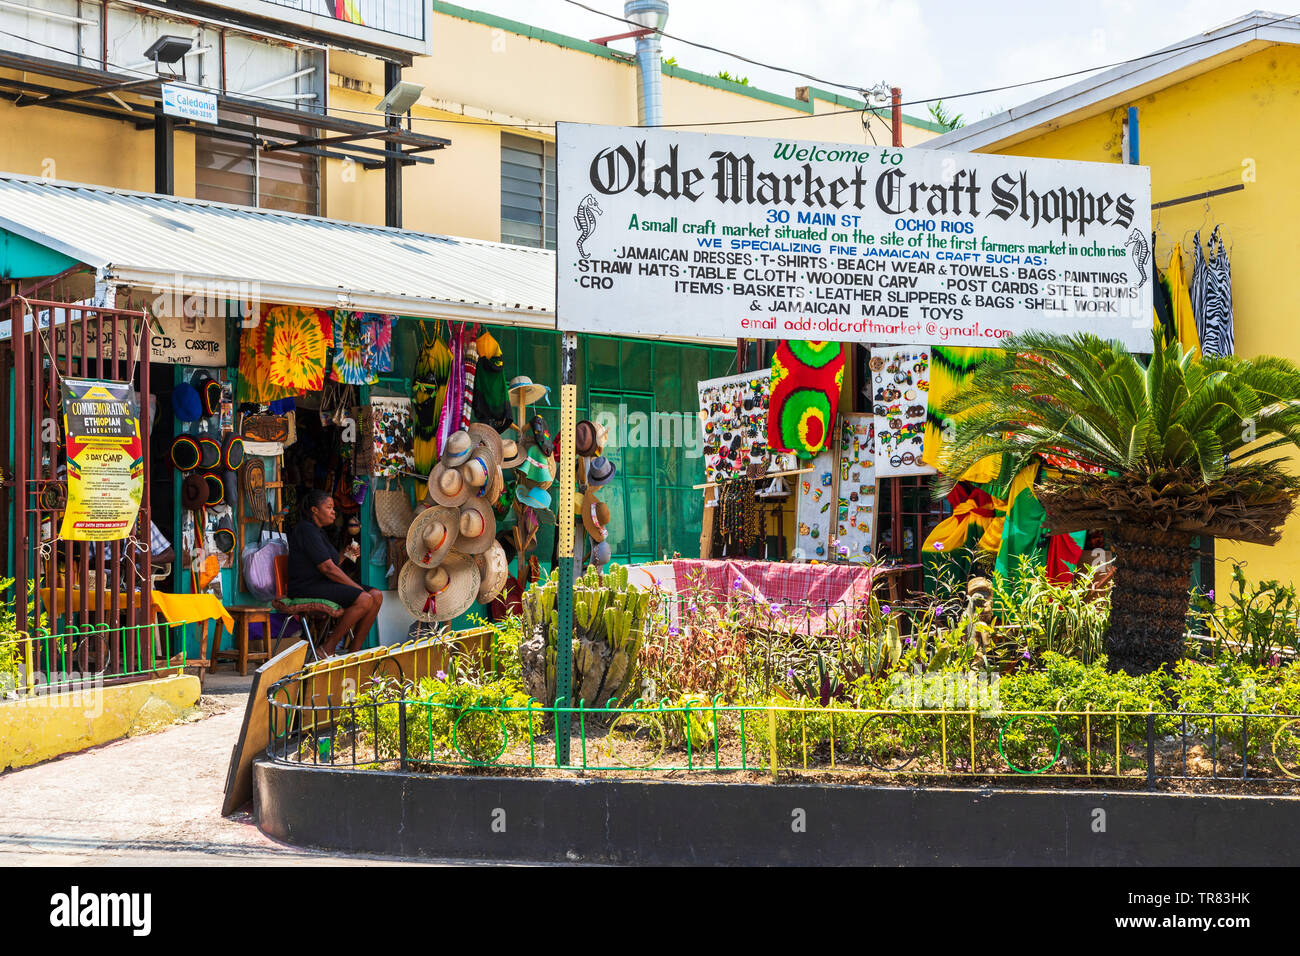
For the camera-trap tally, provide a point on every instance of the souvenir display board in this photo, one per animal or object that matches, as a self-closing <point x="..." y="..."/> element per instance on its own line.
<point x="392" y="437"/>
<point x="855" y="536"/>
<point x="814" y="540"/>
<point x="734" y="413"/>
<point x="900" y="389"/>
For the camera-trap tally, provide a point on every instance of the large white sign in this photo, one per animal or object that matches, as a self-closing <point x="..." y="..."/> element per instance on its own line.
<point x="185" y="103"/>
<point x="694" y="234"/>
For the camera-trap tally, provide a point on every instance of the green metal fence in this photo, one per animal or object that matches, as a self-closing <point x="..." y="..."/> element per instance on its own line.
<point x="397" y="732"/>
<point x="45" y="662"/>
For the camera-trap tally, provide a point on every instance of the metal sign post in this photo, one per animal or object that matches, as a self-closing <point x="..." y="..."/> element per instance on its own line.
<point x="564" y="527"/>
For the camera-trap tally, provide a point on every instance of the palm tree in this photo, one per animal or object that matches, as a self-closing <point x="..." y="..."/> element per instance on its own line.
<point x="1169" y="449"/>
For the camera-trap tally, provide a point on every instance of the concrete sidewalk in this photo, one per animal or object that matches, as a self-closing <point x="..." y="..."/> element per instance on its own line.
<point x="150" y="800"/>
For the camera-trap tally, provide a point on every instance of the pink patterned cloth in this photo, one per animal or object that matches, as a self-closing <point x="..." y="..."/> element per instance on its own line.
<point x="814" y="590"/>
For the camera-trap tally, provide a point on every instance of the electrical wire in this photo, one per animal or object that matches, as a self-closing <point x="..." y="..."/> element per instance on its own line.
<point x="717" y="123"/>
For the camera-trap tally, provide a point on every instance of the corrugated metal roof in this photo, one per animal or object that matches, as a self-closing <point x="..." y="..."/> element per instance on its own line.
<point x="165" y="242"/>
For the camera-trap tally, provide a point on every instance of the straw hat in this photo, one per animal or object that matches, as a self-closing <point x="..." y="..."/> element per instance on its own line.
<point x="441" y="593"/>
<point x="487" y="436"/>
<point x="477" y="472"/>
<point x="524" y="391"/>
<point x="477" y="527"/>
<point x="513" y="454"/>
<point x="493" y="568"/>
<point x="595" y="516"/>
<point x="458" y="449"/>
<point x="448" y="486"/>
<point x="431" y="536"/>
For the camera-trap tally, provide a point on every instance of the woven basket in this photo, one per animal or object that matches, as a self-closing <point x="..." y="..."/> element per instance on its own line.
<point x="393" y="512"/>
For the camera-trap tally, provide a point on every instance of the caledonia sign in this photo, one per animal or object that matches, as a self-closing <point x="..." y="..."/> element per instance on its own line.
<point x="696" y="234"/>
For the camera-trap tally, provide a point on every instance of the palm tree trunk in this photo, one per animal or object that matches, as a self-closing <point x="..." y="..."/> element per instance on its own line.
<point x="1149" y="600"/>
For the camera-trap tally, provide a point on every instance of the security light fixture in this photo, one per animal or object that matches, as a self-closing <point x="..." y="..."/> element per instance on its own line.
<point x="169" y="49"/>
<point x="400" y="98"/>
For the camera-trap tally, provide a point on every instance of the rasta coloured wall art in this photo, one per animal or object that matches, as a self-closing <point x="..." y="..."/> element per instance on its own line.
<point x="806" y="381"/>
<point x="900" y="387"/>
<point x="855" y="537"/>
<point x="734" y="414"/>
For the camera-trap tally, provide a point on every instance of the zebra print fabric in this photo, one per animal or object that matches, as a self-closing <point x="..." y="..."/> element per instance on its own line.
<point x="1212" y="296"/>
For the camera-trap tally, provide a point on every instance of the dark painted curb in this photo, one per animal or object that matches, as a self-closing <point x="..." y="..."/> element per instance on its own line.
<point x="619" y="821"/>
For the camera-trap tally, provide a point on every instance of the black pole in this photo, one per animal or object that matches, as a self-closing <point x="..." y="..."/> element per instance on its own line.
<point x="392" y="167"/>
<point x="164" y="155"/>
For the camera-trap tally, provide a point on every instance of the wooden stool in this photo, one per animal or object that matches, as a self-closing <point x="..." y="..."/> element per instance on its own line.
<point x="245" y="615"/>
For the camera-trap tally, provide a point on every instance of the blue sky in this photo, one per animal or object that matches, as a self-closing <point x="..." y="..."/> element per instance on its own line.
<point x="928" y="47"/>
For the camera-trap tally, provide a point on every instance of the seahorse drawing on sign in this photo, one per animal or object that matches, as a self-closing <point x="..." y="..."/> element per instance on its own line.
<point x="1141" y="253"/>
<point x="585" y="220"/>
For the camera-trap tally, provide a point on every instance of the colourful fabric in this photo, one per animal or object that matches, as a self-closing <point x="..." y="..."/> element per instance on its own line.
<point x="805" y="395"/>
<point x="1064" y="551"/>
<point x="971" y="508"/>
<point x="428" y="386"/>
<point x="1184" y="317"/>
<point x="298" y="349"/>
<point x="1024" y="481"/>
<point x="349" y="350"/>
<point x="254" y="383"/>
<point x="192" y="609"/>
<point x="1022" y="532"/>
<point x="819" y="590"/>
<point x="951" y="369"/>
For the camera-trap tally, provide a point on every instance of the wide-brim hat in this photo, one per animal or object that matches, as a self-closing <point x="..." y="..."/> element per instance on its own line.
<point x="513" y="453"/>
<point x="232" y="452"/>
<point x="600" y="471"/>
<point x="185" y="453"/>
<point x="468" y="543"/>
<point x="454" y="479"/>
<point x="209" y="454"/>
<point x="595" y="516"/>
<point x="216" y="489"/>
<point x="194" y="492"/>
<point x="485" y="436"/>
<point x="493" y="569"/>
<point x="533" y="497"/>
<point x="458" y="449"/>
<point x="456" y="596"/>
<point x="428" y="553"/>
<point x="478" y="471"/>
<point x="537" y="467"/>
<point x="523" y="390"/>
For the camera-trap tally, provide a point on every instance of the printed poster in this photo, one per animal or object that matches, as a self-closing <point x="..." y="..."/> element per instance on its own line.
<point x="101" y="425"/>
<point x="734" y="412"/>
<point x="855" y="537"/>
<point x="815" y="540"/>
<point x="900" y="392"/>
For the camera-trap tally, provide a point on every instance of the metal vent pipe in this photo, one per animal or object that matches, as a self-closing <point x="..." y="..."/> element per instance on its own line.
<point x="652" y="15"/>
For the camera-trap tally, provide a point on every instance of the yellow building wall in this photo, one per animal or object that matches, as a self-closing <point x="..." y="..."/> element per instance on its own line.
<point x="1236" y="124"/>
<point x="86" y="149"/>
<point x="482" y="80"/>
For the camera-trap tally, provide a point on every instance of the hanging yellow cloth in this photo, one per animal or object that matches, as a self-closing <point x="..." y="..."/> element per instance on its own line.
<point x="951" y="368"/>
<point x="1024" y="480"/>
<point x="974" y="507"/>
<point x="1184" y="317"/>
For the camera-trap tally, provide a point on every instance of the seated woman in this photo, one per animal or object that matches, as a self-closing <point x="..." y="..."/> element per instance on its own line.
<point x="314" y="573"/>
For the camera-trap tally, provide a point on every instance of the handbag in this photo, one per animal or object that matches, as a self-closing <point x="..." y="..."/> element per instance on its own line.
<point x="393" y="512"/>
<point x="274" y="428"/>
<point x="258" y="561"/>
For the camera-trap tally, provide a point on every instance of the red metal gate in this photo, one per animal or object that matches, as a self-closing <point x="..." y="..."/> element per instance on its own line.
<point x="95" y="607"/>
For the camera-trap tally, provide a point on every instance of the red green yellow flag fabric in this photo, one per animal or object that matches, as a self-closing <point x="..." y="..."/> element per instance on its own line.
<point x="805" y="395"/>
